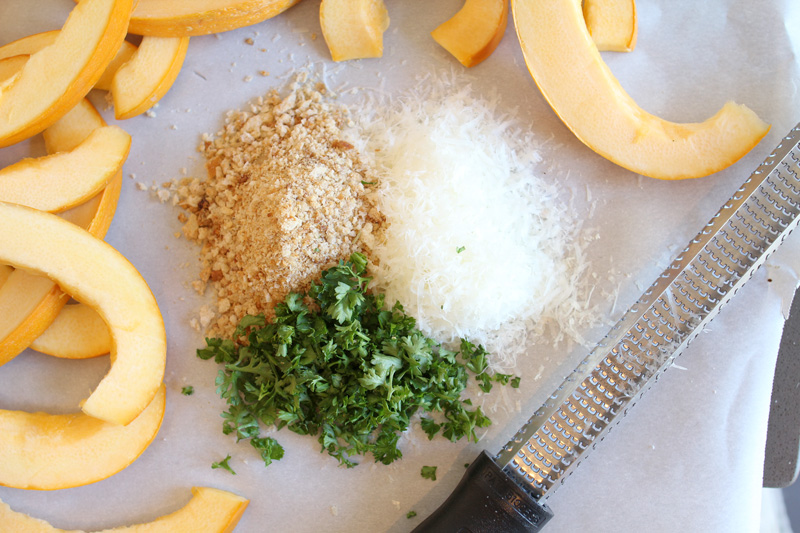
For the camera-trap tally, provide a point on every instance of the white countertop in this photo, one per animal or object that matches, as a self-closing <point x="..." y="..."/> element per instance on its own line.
<point x="689" y="457"/>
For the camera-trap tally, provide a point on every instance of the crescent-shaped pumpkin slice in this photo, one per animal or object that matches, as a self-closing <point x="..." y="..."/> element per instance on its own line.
<point x="209" y="511"/>
<point x="94" y="273"/>
<point x="183" y="18"/>
<point x="60" y="181"/>
<point x="58" y="76"/>
<point x="29" y="303"/>
<point x="148" y="75"/>
<point x="579" y="86"/>
<point x="41" y="451"/>
<point x="473" y="33"/>
<point x="78" y="332"/>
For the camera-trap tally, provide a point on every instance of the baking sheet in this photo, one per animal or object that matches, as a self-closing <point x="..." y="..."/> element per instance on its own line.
<point x="688" y="457"/>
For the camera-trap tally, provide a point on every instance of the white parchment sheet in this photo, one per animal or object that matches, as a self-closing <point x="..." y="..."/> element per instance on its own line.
<point x="688" y="457"/>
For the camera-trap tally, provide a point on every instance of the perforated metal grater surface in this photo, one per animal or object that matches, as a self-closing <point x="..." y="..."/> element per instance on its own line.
<point x="659" y="326"/>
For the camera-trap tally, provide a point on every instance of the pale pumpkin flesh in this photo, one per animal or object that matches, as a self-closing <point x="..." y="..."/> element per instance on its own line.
<point x="612" y="24"/>
<point x="78" y="332"/>
<point x="353" y="29"/>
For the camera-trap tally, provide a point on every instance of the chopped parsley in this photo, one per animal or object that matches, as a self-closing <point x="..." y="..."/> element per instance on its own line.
<point x="224" y="464"/>
<point x="411" y="514"/>
<point x="269" y="449"/>
<point x="429" y="472"/>
<point x="460" y="249"/>
<point x="338" y="365"/>
<point x="187" y="390"/>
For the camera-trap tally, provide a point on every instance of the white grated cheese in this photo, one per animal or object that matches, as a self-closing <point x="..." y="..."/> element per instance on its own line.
<point x="477" y="245"/>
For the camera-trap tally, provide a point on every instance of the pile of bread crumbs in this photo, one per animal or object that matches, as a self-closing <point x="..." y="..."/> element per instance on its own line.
<point x="286" y="197"/>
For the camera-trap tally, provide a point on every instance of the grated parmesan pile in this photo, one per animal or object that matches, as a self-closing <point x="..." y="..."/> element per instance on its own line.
<point x="477" y="245"/>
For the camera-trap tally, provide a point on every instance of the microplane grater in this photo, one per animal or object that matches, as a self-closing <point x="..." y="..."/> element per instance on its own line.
<point x="508" y="492"/>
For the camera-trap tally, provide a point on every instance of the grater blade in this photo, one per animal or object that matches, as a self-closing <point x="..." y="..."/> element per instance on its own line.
<point x="685" y="297"/>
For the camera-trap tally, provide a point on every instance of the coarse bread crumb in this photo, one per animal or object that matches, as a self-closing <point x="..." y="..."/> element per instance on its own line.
<point x="285" y="198"/>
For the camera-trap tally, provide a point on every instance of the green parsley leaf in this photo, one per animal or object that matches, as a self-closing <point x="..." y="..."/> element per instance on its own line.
<point x="269" y="448"/>
<point x="460" y="249"/>
<point x="411" y="514"/>
<point x="224" y="464"/>
<point x="430" y="427"/>
<point x="429" y="472"/>
<point x="187" y="390"/>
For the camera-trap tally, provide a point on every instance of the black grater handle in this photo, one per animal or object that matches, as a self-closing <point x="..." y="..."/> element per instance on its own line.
<point x="487" y="500"/>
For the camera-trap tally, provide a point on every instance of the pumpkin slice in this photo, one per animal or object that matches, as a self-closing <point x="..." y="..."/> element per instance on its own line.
<point x="209" y="511"/>
<point x="612" y="24"/>
<point x="353" y="29"/>
<point x="475" y="31"/>
<point x="183" y="18"/>
<point x="78" y="332"/>
<point x="96" y="274"/>
<point x="95" y="215"/>
<point x="63" y="180"/>
<point x="47" y="452"/>
<point x="33" y="43"/>
<point x="212" y="510"/>
<point x="578" y="85"/>
<point x="58" y="76"/>
<point x="148" y="75"/>
<point x="29" y="303"/>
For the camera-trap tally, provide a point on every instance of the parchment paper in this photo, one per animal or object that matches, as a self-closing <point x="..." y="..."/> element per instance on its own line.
<point x="688" y="458"/>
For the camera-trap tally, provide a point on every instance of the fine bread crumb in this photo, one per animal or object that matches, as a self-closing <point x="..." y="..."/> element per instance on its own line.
<point x="284" y="199"/>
